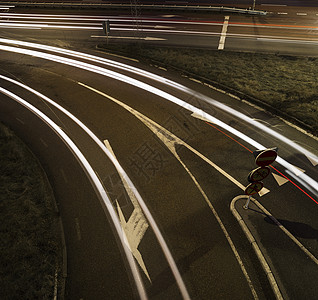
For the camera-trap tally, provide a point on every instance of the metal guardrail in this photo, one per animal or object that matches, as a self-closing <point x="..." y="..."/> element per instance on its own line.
<point x="141" y="6"/>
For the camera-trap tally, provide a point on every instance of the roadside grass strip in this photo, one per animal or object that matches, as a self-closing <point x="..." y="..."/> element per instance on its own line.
<point x="30" y="253"/>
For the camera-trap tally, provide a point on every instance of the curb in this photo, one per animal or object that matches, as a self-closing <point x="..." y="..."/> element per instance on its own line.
<point x="62" y="277"/>
<point x="256" y="248"/>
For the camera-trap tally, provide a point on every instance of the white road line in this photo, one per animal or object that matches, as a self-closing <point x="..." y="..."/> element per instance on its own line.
<point x="223" y="33"/>
<point x="64" y="176"/>
<point x="291" y="236"/>
<point x="170" y="141"/>
<point x="147" y="38"/>
<point x="273" y="4"/>
<point x="44" y="143"/>
<point x="160" y="93"/>
<point x="301" y="14"/>
<point x="20" y="121"/>
<point x="137" y="224"/>
<point x="120" y="170"/>
<point x="78" y="229"/>
<point x="256" y="248"/>
<point x="282" y="13"/>
<point x="100" y="191"/>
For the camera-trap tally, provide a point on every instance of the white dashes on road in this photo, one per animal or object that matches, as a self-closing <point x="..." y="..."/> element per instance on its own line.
<point x="223" y="33"/>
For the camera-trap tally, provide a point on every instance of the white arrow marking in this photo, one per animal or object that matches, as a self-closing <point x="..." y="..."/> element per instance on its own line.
<point x="134" y="230"/>
<point x="280" y="179"/>
<point x="313" y="160"/>
<point x="137" y="224"/>
<point x="200" y="115"/>
<point x="170" y="140"/>
<point x="263" y="191"/>
<point x="298" y="171"/>
<point x="148" y="38"/>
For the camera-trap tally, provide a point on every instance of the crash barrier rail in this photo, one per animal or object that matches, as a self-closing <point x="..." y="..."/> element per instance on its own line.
<point x="141" y="6"/>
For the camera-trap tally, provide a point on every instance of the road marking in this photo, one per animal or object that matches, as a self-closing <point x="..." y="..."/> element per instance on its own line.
<point x="256" y="248"/>
<point x="288" y="233"/>
<point x="78" y="229"/>
<point x="19" y="120"/>
<point x="313" y="160"/>
<point x="298" y="171"/>
<point x="164" y="95"/>
<point x="263" y="191"/>
<point x="273" y="4"/>
<point x="134" y="230"/>
<point x="301" y="14"/>
<point x="223" y="33"/>
<point x="64" y="176"/>
<point x="163" y="27"/>
<point x="170" y="141"/>
<point x="280" y="179"/>
<point x="148" y="38"/>
<point x="282" y="13"/>
<point x="137" y="224"/>
<point x="43" y="142"/>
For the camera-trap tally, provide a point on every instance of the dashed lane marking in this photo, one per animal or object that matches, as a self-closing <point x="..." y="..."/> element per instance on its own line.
<point x="78" y="229"/>
<point x="223" y="33"/>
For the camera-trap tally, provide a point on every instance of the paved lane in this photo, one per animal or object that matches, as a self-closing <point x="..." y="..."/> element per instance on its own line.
<point x="285" y="30"/>
<point x="190" y="225"/>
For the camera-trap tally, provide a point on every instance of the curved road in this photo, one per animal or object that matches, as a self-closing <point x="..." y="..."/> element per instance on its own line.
<point x="187" y="155"/>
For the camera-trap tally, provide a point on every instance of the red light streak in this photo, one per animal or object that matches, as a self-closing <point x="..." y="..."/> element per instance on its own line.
<point x="270" y="165"/>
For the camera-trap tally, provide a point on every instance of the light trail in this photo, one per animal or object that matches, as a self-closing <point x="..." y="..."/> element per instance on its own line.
<point x="123" y="175"/>
<point x="152" y="20"/>
<point x="98" y="186"/>
<point x="173" y="99"/>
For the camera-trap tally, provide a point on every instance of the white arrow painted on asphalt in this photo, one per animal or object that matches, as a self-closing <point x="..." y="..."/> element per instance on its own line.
<point x="263" y="191"/>
<point x="170" y="140"/>
<point x="137" y="224"/>
<point x="134" y="230"/>
<point x="280" y="179"/>
<point x="200" y="115"/>
<point x="297" y="171"/>
<point x="313" y="160"/>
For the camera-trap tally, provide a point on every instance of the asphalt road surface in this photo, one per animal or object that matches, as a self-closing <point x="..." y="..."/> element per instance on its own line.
<point x="145" y="164"/>
<point x="284" y="30"/>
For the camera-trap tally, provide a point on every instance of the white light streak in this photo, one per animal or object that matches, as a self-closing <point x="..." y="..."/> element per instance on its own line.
<point x="168" y="97"/>
<point x="94" y="180"/>
<point x="123" y="175"/>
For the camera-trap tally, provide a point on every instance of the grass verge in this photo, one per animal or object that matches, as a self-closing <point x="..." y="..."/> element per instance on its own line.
<point x="29" y="248"/>
<point x="284" y="85"/>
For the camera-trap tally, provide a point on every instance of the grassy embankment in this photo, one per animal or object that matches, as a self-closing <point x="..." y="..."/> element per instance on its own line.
<point x="284" y="85"/>
<point x="29" y="250"/>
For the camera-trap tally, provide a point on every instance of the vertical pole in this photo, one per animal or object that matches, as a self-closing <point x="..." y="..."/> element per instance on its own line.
<point x="247" y="202"/>
<point x="253" y="5"/>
